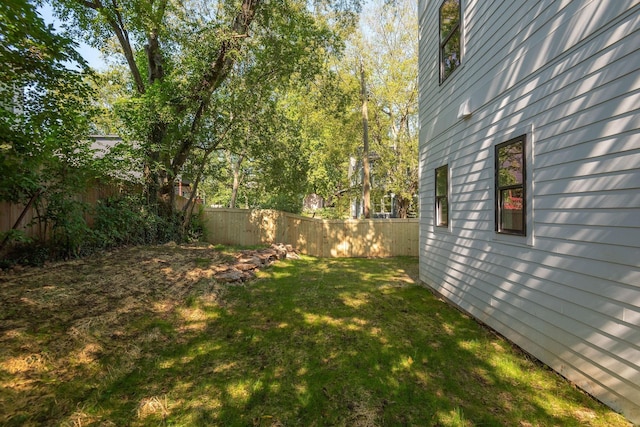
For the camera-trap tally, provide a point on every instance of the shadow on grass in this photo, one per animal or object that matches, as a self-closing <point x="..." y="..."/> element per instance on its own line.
<point x="323" y="342"/>
<point x="346" y="342"/>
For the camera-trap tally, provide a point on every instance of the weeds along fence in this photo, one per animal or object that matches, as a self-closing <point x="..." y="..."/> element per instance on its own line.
<point x="11" y="213"/>
<point x="26" y="220"/>
<point x="316" y="237"/>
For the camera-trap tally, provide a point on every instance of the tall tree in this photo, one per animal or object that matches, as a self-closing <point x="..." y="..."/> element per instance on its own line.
<point x="265" y="156"/>
<point x="386" y="47"/>
<point x="185" y="59"/>
<point x="390" y="46"/>
<point x="331" y="132"/>
<point x="366" y="174"/>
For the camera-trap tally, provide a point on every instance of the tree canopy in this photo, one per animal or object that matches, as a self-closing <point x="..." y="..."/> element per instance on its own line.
<point x="385" y="46"/>
<point x="199" y="68"/>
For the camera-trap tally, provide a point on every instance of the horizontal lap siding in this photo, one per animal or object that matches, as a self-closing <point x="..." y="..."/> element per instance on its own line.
<point x="570" y="294"/>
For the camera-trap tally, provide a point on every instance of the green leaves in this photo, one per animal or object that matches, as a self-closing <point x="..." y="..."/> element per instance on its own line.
<point x="389" y="47"/>
<point x="204" y="74"/>
<point x="45" y="156"/>
<point x="28" y="45"/>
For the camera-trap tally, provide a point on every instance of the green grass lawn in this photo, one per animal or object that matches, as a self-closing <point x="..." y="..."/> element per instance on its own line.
<point x="315" y="342"/>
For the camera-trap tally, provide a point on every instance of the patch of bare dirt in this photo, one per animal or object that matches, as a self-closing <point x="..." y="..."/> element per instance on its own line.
<point x="59" y="321"/>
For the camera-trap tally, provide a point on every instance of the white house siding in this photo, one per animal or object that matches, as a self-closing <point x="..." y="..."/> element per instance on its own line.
<point x="566" y="74"/>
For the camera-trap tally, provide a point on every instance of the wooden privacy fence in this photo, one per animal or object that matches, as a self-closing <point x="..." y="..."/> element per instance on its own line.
<point x="10" y="212"/>
<point x="316" y="237"/>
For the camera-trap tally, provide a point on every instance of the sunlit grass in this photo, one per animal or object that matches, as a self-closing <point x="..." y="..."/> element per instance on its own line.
<point x="353" y="342"/>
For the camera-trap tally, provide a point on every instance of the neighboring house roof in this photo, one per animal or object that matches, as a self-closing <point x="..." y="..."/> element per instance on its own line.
<point x="102" y="145"/>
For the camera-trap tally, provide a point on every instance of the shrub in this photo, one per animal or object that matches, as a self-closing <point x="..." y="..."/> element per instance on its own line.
<point x="32" y="254"/>
<point x="127" y="220"/>
<point x="117" y="221"/>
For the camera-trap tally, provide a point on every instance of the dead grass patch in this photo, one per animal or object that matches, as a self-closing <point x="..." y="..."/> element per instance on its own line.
<point x="70" y="319"/>
<point x="157" y="406"/>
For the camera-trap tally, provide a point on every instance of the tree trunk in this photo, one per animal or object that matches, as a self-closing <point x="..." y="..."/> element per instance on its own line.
<point x="366" y="180"/>
<point x="187" y="210"/>
<point x="402" y="207"/>
<point x="237" y="179"/>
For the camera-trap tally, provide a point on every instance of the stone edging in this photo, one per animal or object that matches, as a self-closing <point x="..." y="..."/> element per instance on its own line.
<point x="249" y="261"/>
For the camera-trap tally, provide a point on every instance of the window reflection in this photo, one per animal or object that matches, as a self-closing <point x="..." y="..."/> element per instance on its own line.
<point x="450" y="46"/>
<point x="510" y="161"/>
<point x="510" y="187"/>
<point x="442" y="196"/>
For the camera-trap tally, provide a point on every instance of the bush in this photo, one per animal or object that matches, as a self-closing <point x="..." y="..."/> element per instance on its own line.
<point x="285" y="203"/>
<point x="32" y="254"/>
<point x="127" y="220"/>
<point x="195" y="230"/>
<point x="118" y="221"/>
<point x="71" y="236"/>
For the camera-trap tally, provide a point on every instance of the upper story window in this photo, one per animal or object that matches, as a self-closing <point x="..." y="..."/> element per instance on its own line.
<point x="442" y="196"/>
<point x="511" y="187"/>
<point x="450" y="40"/>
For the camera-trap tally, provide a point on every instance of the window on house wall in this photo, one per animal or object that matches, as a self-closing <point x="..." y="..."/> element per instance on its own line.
<point x="511" y="186"/>
<point x="450" y="45"/>
<point x="442" y="196"/>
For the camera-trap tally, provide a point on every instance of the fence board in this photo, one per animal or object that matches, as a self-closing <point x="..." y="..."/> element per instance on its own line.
<point x="316" y="237"/>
